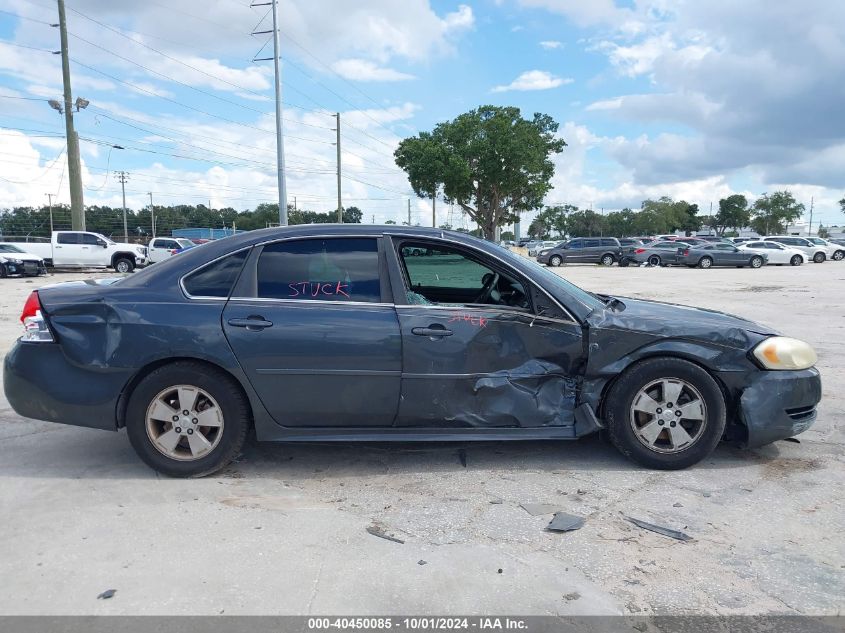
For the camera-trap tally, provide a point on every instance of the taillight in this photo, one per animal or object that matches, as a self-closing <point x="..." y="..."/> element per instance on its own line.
<point x="639" y="250"/>
<point x="686" y="252"/>
<point x="34" y="326"/>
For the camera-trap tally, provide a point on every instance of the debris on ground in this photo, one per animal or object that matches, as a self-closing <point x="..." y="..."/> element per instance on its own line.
<point x="563" y="522"/>
<point x="422" y="562"/>
<point x="462" y="455"/>
<point x="677" y="505"/>
<point x="496" y="501"/>
<point x="794" y="440"/>
<point x="500" y="570"/>
<point x="536" y="509"/>
<point x="571" y="596"/>
<point x="108" y="593"/>
<point x="378" y="530"/>
<point x="658" y="529"/>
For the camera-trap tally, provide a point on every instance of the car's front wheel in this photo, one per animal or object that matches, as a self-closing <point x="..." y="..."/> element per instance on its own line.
<point x="819" y="257"/>
<point x="124" y="265"/>
<point x="187" y="419"/>
<point x="705" y="262"/>
<point x="796" y="260"/>
<point x="665" y="413"/>
<point x="555" y="260"/>
<point x="607" y="260"/>
<point x="654" y="260"/>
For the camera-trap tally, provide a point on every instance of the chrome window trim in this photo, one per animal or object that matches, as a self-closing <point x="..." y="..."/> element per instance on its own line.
<point x="312" y="301"/>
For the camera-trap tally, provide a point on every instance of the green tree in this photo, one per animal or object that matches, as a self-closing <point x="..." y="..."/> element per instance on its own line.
<point x="771" y="214"/>
<point x="490" y="161"/>
<point x="584" y="223"/>
<point x="823" y="232"/>
<point x="842" y="205"/>
<point x="538" y="229"/>
<point x="554" y="220"/>
<point x="664" y="215"/>
<point x="620" y="223"/>
<point x="733" y="214"/>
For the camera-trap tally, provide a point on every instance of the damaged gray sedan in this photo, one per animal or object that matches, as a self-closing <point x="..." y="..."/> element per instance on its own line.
<point x="344" y="333"/>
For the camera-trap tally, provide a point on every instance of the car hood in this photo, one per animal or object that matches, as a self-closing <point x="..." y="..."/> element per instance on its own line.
<point x="670" y="320"/>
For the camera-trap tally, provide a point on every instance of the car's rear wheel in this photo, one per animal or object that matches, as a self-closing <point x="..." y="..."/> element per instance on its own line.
<point x="665" y="413"/>
<point x="756" y="261"/>
<point x="654" y="260"/>
<point x="607" y="260"/>
<point x="124" y="265"/>
<point x="624" y="262"/>
<point x="705" y="262"/>
<point x="3" y="272"/>
<point x="819" y="257"/>
<point x="555" y="260"/>
<point x="187" y="419"/>
<point x="796" y="260"/>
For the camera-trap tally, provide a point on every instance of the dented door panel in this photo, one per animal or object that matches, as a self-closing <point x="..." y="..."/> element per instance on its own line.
<point x="487" y="367"/>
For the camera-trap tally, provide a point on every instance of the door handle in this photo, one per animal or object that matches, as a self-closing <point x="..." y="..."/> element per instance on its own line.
<point x="252" y="323"/>
<point x="433" y="331"/>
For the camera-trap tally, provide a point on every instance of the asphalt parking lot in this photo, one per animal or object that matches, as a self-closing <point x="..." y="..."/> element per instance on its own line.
<point x="284" y="530"/>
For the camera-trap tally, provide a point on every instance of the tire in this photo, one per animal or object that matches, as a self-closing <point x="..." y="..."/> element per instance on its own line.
<point x="756" y="262"/>
<point x="555" y="261"/>
<point x="3" y="272"/>
<point x="624" y="262"/>
<point x="607" y="260"/>
<point x="654" y="260"/>
<point x="705" y="262"/>
<point x="227" y="400"/>
<point x="819" y="257"/>
<point x="124" y="265"/>
<point x="838" y="256"/>
<point x="796" y="260"/>
<point x="623" y="413"/>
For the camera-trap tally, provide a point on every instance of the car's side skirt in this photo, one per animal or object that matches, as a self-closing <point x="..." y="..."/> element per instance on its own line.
<point x="395" y="434"/>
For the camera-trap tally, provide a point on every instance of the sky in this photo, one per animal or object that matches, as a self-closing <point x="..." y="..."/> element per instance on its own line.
<point x="688" y="99"/>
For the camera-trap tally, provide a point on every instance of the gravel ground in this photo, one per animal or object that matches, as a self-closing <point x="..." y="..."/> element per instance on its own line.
<point x="283" y="531"/>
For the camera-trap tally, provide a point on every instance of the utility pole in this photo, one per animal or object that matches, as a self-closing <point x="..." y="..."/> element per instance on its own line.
<point x="280" y="142"/>
<point x="77" y="208"/>
<point x="152" y="215"/>
<point x="810" y="230"/>
<point x="339" y="203"/>
<point x="433" y="212"/>
<point x="122" y="177"/>
<point x="409" y="212"/>
<point x="50" y="203"/>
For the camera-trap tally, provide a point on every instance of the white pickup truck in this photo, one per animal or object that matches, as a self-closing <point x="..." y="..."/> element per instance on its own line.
<point x="81" y="249"/>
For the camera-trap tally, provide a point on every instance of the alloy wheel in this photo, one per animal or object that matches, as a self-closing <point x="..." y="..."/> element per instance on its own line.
<point x="184" y="422"/>
<point x="668" y="415"/>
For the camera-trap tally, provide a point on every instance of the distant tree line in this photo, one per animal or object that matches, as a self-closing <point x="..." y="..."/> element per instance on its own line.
<point x="769" y="214"/>
<point x="35" y="221"/>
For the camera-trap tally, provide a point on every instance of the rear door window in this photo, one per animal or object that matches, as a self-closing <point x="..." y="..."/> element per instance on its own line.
<point x="339" y="269"/>
<point x="69" y="238"/>
<point x="592" y="243"/>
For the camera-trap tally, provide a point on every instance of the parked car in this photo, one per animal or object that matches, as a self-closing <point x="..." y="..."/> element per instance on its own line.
<point x="583" y="250"/>
<point x="16" y="261"/>
<point x="720" y="254"/>
<point x="631" y="241"/>
<point x="81" y="249"/>
<point x="714" y="239"/>
<point x="540" y="246"/>
<point x="778" y="253"/>
<point x="837" y="241"/>
<point x="741" y="240"/>
<point x="659" y="253"/>
<point x="814" y="252"/>
<point x="834" y="251"/>
<point x="330" y="333"/>
<point x="161" y="248"/>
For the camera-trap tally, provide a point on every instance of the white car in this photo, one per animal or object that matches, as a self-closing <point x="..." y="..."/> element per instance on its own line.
<point x="815" y="252"/>
<point x="161" y="248"/>
<point x="835" y="252"/>
<point x="540" y="246"/>
<point x="778" y="253"/>
<point x="16" y="261"/>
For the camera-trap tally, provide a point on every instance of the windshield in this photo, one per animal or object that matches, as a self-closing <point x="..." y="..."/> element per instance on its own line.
<point x="588" y="299"/>
<point x="9" y="248"/>
<point x="103" y="237"/>
<point x="185" y="243"/>
<point x="816" y="240"/>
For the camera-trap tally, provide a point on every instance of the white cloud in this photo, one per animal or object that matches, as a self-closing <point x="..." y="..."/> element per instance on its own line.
<point x="551" y="44"/>
<point x="363" y="70"/>
<point x="593" y="12"/>
<point x="534" y="80"/>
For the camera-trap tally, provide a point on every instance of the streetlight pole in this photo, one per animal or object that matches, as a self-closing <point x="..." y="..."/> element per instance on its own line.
<point x="50" y="204"/>
<point x="152" y="214"/>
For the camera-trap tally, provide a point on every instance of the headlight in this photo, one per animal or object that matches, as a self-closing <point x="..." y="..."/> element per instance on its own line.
<point x="12" y="260"/>
<point x="544" y="251"/>
<point x="780" y="352"/>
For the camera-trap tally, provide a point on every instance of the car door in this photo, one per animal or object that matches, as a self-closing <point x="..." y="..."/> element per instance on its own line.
<point x="481" y="345"/>
<point x="315" y="336"/>
<point x="574" y="251"/>
<point x="68" y="249"/>
<point x="92" y="250"/>
<point x="158" y="249"/>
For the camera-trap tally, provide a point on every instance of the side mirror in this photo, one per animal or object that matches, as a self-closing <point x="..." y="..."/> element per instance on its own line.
<point x="566" y="246"/>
